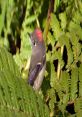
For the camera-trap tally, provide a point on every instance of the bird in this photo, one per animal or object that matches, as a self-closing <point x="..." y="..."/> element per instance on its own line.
<point x="38" y="60"/>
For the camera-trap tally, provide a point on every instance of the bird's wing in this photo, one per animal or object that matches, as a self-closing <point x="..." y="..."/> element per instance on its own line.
<point x="34" y="73"/>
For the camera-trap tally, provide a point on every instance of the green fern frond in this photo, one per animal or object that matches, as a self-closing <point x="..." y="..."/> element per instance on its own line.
<point x="3" y="5"/>
<point x="65" y="84"/>
<point x="64" y="40"/>
<point x="78" y="106"/>
<point x="74" y="84"/>
<point x="76" y="46"/>
<point x="15" y="94"/>
<point x="80" y="81"/>
<point x="53" y="76"/>
<point x="63" y="19"/>
<point x="73" y="27"/>
<point x="55" y="26"/>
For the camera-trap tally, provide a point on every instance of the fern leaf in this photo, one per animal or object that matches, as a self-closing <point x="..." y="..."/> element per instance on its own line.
<point x="75" y="46"/>
<point x="15" y="94"/>
<point x="3" y="5"/>
<point x="77" y="18"/>
<point x="64" y="40"/>
<point x="80" y="80"/>
<point x="65" y="83"/>
<point x="53" y="76"/>
<point x="73" y="27"/>
<point x="63" y="19"/>
<point x="55" y="26"/>
<point x="78" y="107"/>
<point x="74" y="83"/>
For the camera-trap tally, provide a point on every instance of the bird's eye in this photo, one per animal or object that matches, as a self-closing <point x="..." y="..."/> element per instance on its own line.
<point x="34" y="43"/>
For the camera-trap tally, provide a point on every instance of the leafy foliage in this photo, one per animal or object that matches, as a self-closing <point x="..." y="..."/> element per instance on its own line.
<point x="16" y="97"/>
<point x="65" y="34"/>
<point x="62" y="86"/>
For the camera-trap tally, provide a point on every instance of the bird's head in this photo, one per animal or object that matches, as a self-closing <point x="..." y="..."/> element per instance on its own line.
<point x="36" y="37"/>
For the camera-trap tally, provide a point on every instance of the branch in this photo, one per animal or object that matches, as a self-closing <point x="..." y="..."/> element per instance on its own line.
<point x="50" y="10"/>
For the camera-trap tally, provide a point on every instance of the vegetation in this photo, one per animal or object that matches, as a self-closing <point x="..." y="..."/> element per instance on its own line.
<point x="61" y="91"/>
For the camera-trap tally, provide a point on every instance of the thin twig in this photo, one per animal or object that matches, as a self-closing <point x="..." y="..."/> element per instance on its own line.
<point x="50" y="10"/>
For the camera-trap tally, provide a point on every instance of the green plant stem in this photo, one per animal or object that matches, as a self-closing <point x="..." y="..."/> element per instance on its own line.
<point x="59" y="66"/>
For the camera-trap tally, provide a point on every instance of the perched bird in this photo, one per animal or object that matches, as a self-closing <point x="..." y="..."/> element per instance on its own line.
<point x="38" y="59"/>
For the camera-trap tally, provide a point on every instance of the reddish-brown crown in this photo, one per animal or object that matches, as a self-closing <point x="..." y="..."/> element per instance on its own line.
<point x="39" y="34"/>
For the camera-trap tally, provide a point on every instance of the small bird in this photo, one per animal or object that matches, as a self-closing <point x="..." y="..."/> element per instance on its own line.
<point x="38" y="60"/>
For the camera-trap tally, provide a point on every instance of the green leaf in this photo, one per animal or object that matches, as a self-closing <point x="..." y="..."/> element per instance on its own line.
<point x="80" y="80"/>
<point x="74" y="83"/>
<point x="55" y="26"/>
<point x="73" y="27"/>
<point x="53" y="76"/>
<point x="64" y="82"/>
<point x="15" y="94"/>
<point x="63" y="19"/>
